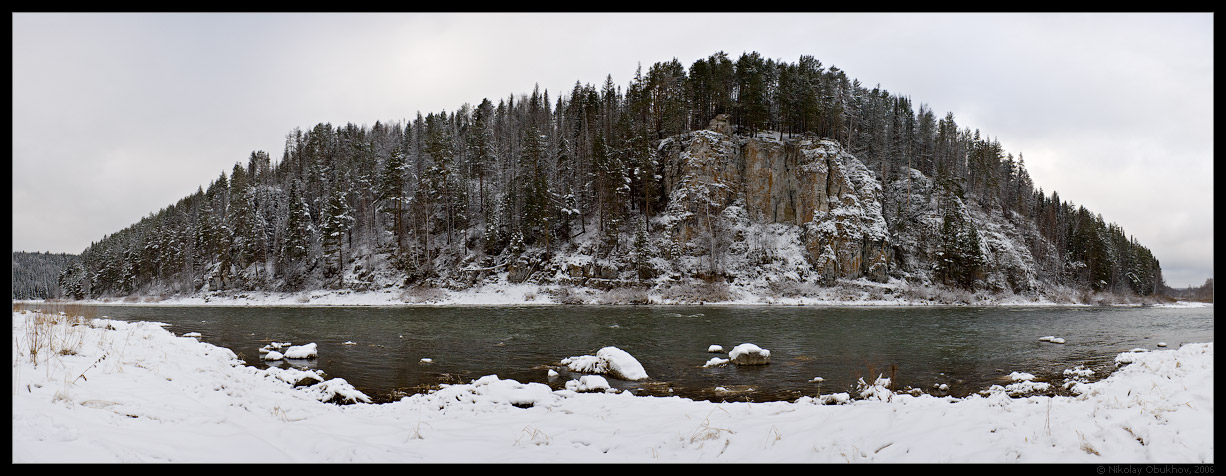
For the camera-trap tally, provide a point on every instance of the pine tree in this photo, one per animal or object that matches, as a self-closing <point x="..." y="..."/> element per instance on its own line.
<point x="392" y="190"/>
<point x="960" y="259"/>
<point x="242" y="219"/>
<point x="753" y="106"/>
<point x="643" y="252"/>
<point x="299" y="226"/>
<point x="538" y="209"/>
<point x="74" y="281"/>
<point x="666" y="95"/>
<point x="481" y="149"/>
<point x="337" y="221"/>
<point x="609" y="181"/>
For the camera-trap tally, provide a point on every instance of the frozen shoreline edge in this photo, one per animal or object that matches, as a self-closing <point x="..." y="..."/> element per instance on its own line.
<point x="539" y="297"/>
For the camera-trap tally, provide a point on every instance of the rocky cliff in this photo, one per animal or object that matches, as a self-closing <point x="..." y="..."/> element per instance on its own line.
<point x="807" y="183"/>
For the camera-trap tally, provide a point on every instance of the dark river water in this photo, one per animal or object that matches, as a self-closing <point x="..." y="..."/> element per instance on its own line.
<point x="967" y="348"/>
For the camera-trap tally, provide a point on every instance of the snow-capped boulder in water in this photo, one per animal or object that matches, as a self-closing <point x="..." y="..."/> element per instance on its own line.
<point x="588" y="383"/>
<point x="609" y="360"/>
<point x="307" y="351"/>
<point x="273" y="355"/>
<point x="715" y="348"/>
<point x="749" y="354"/>
<point x="274" y="346"/>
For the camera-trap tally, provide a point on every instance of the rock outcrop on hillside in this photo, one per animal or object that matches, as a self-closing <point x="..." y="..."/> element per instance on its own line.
<point x="784" y="216"/>
<point x="804" y="182"/>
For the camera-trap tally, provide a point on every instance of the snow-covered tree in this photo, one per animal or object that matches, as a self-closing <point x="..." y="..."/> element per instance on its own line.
<point x="337" y="221"/>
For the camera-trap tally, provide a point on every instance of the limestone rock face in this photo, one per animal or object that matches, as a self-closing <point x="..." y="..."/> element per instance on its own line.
<point x="702" y="176"/>
<point x="804" y="181"/>
<point x="840" y="205"/>
<point x="771" y="181"/>
<point x="720" y="123"/>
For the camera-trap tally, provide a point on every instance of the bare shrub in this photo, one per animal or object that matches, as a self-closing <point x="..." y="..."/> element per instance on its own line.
<point x="698" y="292"/>
<point x="422" y="294"/>
<point x="50" y="334"/>
<point x="564" y="295"/>
<point x="630" y="295"/>
<point x="786" y="288"/>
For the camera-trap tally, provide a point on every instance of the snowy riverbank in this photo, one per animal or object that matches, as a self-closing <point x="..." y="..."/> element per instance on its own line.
<point x="111" y="391"/>
<point x="860" y="292"/>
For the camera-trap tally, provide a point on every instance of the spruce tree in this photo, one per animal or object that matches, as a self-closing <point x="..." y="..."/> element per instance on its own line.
<point x="392" y="191"/>
<point x="960" y="259"/>
<point x="299" y="227"/>
<point x="337" y="221"/>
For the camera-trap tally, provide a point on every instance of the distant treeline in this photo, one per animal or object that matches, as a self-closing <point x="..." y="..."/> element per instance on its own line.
<point x="1202" y="293"/>
<point x="36" y="275"/>
<point x="535" y="171"/>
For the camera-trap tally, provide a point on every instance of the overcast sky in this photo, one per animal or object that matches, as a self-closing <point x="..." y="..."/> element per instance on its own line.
<point x="116" y="116"/>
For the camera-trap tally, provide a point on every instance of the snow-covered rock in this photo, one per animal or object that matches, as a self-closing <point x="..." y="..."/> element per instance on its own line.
<point x="306" y="351"/>
<point x="588" y="383"/>
<point x="609" y="360"/>
<point x="749" y="354"/>
<point x="273" y="355"/>
<point x="715" y="348"/>
<point x="490" y="392"/>
<point x="338" y="391"/>
<point x="274" y="346"/>
<point x="293" y="376"/>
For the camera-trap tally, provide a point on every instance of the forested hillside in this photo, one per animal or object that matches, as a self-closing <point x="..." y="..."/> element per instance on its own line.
<point x="36" y="275"/>
<point x="725" y="172"/>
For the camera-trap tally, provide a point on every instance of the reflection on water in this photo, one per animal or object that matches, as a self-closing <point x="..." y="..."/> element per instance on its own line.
<point x="967" y="349"/>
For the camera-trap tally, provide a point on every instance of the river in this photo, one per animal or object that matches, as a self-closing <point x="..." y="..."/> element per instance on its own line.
<point x="380" y="350"/>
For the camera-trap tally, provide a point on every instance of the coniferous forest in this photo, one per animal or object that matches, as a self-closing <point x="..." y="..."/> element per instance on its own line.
<point x="609" y="185"/>
<point x="36" y="275"/>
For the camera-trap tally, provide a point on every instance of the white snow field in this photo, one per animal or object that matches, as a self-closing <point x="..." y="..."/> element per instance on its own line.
<point x="95" y="390"/>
